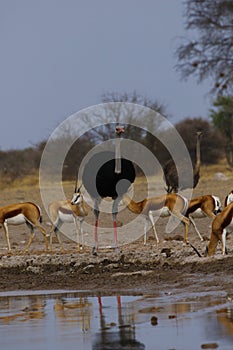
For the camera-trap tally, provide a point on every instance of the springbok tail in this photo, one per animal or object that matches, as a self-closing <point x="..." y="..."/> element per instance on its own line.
<point x="40" y="213"/>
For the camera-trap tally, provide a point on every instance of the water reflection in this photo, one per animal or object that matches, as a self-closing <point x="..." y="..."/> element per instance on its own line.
<point x="78" y="312"/>
<point x="124" y="337"/>
<point x="81" y="321"/>
<point x="225" y="319"/>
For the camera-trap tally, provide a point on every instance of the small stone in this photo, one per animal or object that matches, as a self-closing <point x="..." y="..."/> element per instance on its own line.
<point x="88" y="268"/>
<point x="33" y="269"/>
<point x="154" y="321"/>
<point x="209" y="346"/>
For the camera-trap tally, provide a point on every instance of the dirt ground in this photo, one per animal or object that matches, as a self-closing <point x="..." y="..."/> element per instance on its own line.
<point x="134" y="268"/>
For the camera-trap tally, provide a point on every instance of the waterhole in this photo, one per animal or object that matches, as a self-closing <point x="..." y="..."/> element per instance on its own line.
<point x="82" y="321"/>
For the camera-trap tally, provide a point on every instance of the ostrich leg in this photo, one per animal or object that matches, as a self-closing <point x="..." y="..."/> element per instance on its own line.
<point x="114" y="216"/>
<point x="115" y="229"/>
<point x="96" y="213"/>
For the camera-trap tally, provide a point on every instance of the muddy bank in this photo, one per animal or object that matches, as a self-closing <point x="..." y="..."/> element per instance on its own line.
<point x="135" y="271"/>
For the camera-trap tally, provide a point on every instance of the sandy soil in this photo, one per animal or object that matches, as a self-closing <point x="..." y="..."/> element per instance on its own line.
<point x="135" y="268"/>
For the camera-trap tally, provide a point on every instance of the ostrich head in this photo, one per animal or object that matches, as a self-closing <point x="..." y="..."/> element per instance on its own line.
<point x="120" y="129"/>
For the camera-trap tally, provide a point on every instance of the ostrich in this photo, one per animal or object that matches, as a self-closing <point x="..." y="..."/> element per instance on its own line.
<point x="171" y="175"/>
<point x="107" y="174"/>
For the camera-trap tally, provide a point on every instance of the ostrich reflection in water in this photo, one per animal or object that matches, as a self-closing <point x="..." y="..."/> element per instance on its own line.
<point x="124" y="338"/>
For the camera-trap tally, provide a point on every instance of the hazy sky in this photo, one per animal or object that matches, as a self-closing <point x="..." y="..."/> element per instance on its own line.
<point x="59" y="56"/>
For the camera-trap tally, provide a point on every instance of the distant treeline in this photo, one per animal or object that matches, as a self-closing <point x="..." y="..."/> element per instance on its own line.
<point x="16" y="164"/>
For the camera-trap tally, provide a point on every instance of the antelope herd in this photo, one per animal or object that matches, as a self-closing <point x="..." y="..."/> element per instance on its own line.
<point x="173" y="204"/>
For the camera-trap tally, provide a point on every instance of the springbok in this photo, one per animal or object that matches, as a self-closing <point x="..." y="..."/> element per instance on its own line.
<point x="68" y="211"/>
<point x="221" y="227"/>
<point x="201" y="207"/>
<point x="20" y="213"/>
<point x="163" y="206"/>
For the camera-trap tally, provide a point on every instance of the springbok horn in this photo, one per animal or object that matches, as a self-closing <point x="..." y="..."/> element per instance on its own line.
<point x="76" y="185"/>
<point x="76" y="190"/>
<point x="79" y="187"/>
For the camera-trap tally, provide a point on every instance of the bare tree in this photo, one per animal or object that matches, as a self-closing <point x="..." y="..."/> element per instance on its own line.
<point x="133" y="97"/>
<point x="123" y="108"/>
<point x="208" y="53"/>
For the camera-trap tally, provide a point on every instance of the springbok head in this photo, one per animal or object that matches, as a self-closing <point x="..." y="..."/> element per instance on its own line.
<point x="77" y="196"/>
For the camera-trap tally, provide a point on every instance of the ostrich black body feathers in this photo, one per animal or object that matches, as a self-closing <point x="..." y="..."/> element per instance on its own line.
<point x="100" y="179"/>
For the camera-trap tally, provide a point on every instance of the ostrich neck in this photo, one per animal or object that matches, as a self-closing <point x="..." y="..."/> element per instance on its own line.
<point x="198" y="156"/>
<point x="118" y="156"/>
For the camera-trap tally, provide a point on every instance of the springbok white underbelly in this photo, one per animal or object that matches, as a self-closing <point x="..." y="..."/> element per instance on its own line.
<point x="16" y="220"/>
<point x="198" y="214"/>
<point x="163" y="212"/>
<point x="66" y="217"/>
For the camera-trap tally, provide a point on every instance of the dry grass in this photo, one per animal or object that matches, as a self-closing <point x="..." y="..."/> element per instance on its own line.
<point x="22" y="182"/>
<point x="208" y="171"/>
<point x="27" y="181"/>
